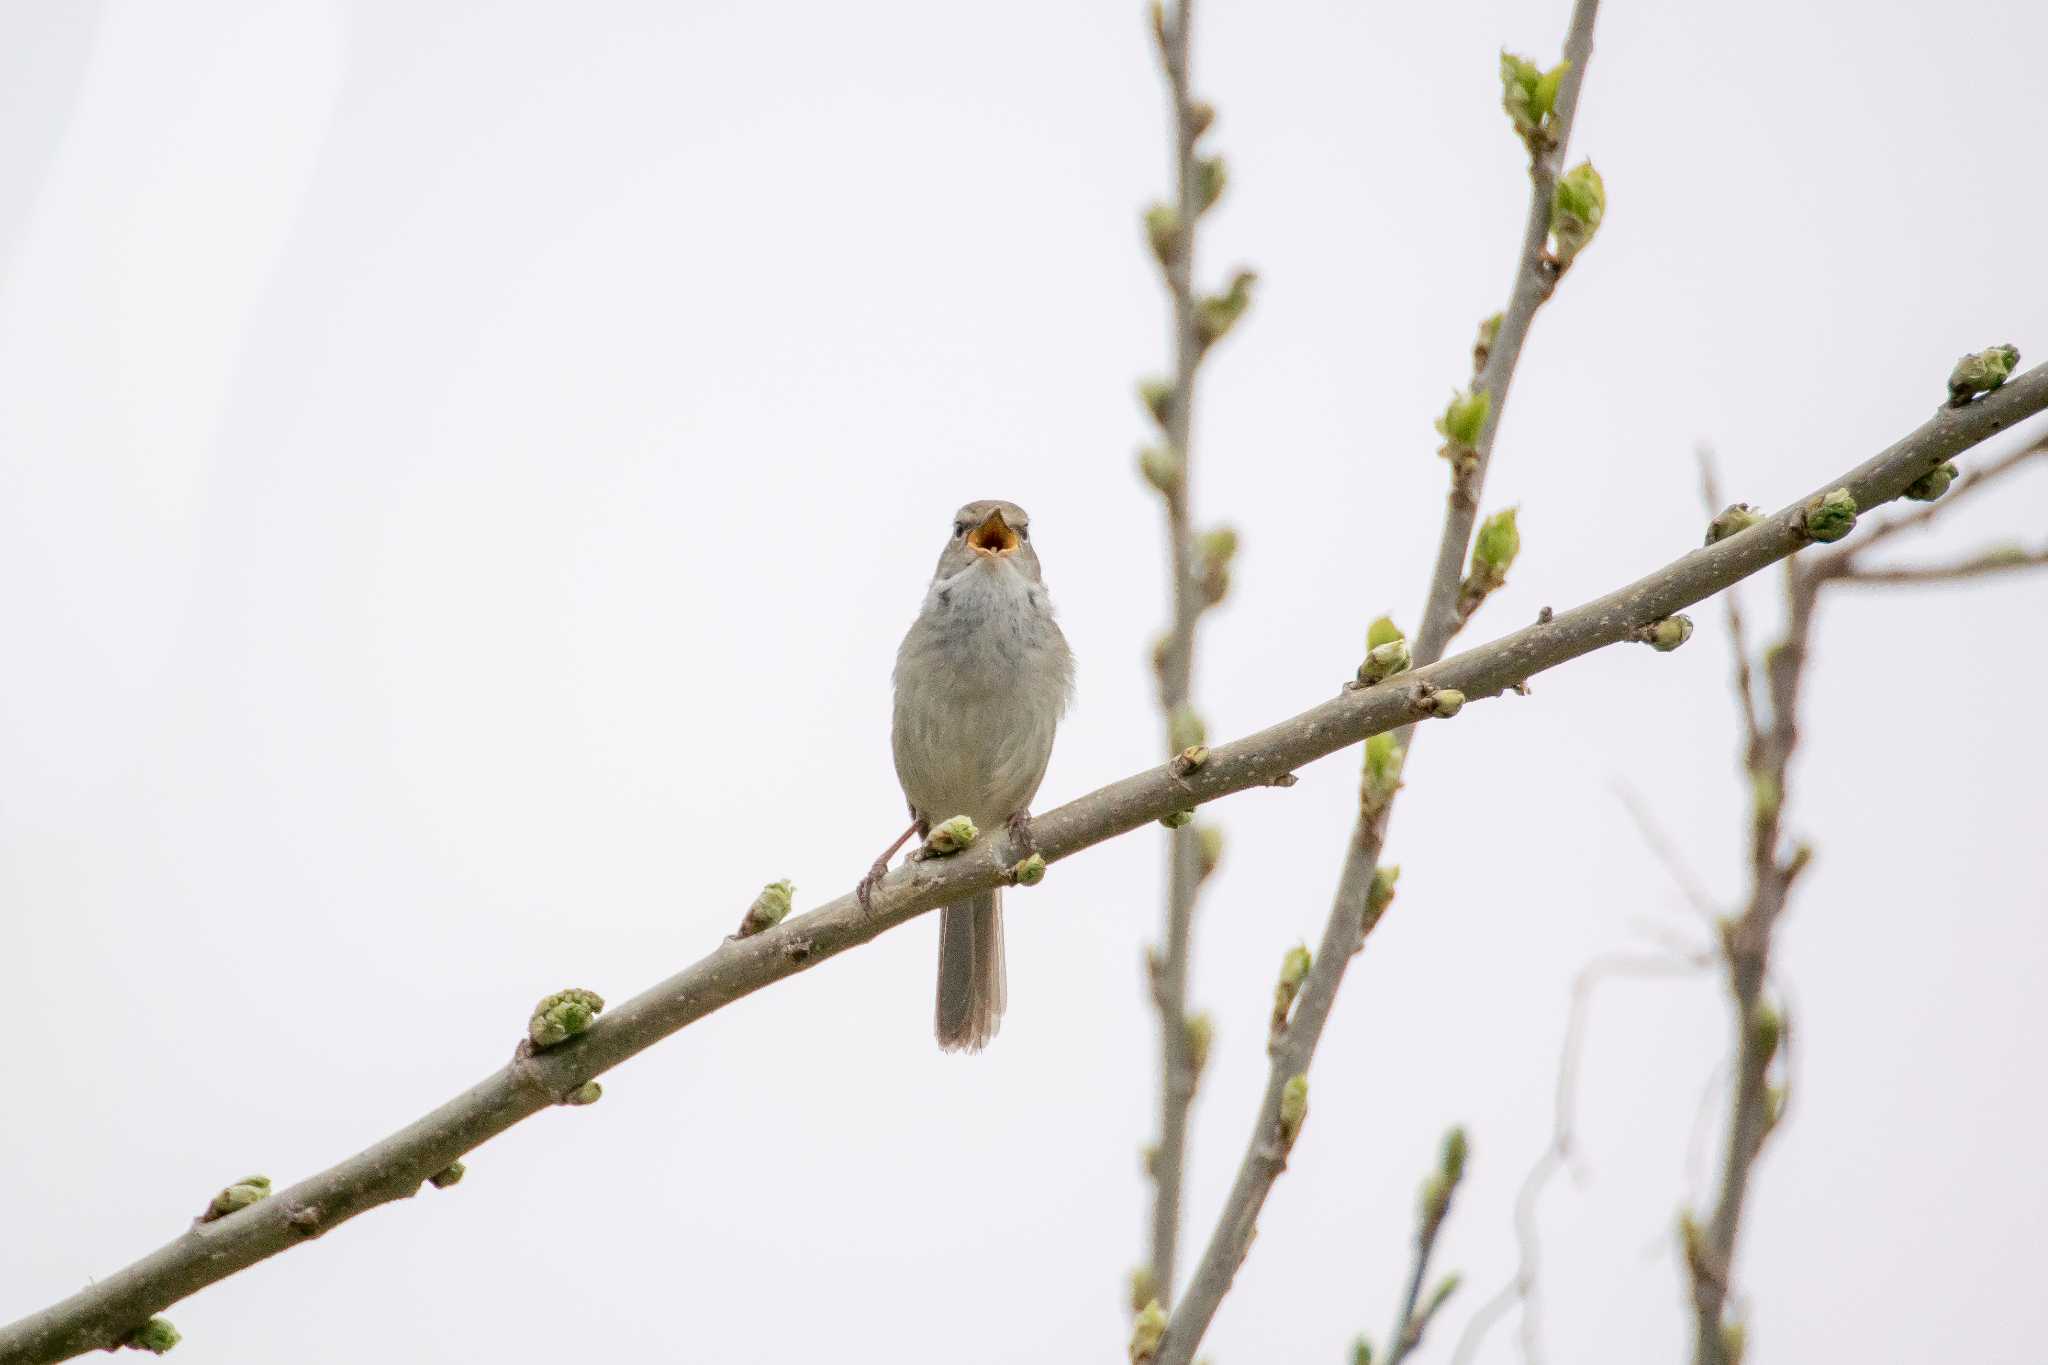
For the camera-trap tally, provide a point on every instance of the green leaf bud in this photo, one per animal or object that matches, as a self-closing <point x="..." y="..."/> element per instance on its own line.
<point x="1576" y="208"/>
<point x="1384" y="661"/>
<point x="1981" y="373"/>
<point x="1162" y="230"/>
<point x="1464" y="417"/>
<point x="562" y="1016"/>
<point x="1933" y="483"/>
<point x="1157" y="396"/>
<point x="448" y="1176"/>
<point x="1831" y="516"/>
<point x="1735" y="518"/>
<point x="155" y="1336"/>
<point x="1147" y="1329"/>
<point x="1216" y="314"/>
<point x="1293" y="1109"/>
<point x="769" y="909"/>
<point x="1029" y="872"/>
<point x="1161" y="467"/>
<point x="950" y="837"/>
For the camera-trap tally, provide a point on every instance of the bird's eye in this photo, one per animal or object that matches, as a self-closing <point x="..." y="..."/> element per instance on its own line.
<point x="959" y="529"/>
<point x="1023" y="533"/>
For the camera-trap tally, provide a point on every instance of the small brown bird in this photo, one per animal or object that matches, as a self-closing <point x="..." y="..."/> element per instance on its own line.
<point x="981" y="682"/>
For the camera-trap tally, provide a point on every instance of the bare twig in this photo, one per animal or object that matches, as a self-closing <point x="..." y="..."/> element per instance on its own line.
<point x="1444" y="613"/>
<point x="1558" y="1155"/>
<point x="1983" y="564"/>
<point x="393" y="1168"/>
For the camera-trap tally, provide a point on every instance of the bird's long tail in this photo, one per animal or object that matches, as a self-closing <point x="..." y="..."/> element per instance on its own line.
<point x="972" y="991"/>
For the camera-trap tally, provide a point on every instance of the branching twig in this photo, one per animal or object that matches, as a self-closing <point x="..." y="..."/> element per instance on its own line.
<point x="394" y="1168"/>
<point x="1763" y="1032"/>
<point x="1559" y="1154"/>
<point x="1449" y="604"/>
<point x="1432" y="1207"/>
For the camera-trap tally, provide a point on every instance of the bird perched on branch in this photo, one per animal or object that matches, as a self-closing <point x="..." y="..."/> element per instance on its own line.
<point x="981" y="682"/>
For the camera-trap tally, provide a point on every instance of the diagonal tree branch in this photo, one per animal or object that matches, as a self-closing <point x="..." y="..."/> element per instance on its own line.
<point x="108" y="1310"/>
<point x="1447" y="608"/>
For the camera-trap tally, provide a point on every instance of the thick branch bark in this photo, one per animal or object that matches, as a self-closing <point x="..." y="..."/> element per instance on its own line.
<point x="103" y="1313"/>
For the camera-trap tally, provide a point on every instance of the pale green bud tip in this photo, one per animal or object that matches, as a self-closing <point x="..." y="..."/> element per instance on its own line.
<point x="1446" y="702"/>
<point x="1497" y="544"/>
<point x="952" y="836"/>
<point x="1201" y="1031"/>
<point x="1162" y="230"/>
<point x="1185" y="729"/>
<point x="1832" y="516"/>
<point x="1482" y="344"/>
<point x="769" y="909"/>
<point x="1384" y="661"/>
<point x="1220" y="545"/>
<point x="1769" y="1027"/>
<point x="1381" y="893"/>
<point x="155" y="1336"/>
<point x="1933" y="483"/>
<point x="562" y="1016"/>
<point x="1189" y="759"/>
<point x="1175" y="819"/>
<point x="590" y="1092"/>
<point x="1576" y="208"/>
<point x="1361" y="1351"/>
<point x="1982" y="372"/>
<point x="1457" y="1149"/>
<point x="1382" y="631"/>
<point x="1529" y="93"/>
<point x="1144" y="1287"/>
<point x="452" y="1175"/>
<point x="1157" y="396"/>
<point x="1382" y="765"/>
<point x="1030" y="872"/>
<point x="1147" y="1330"/>
<point x="1667" y="634"/>
<point x="1211" y="848"/>
<point x="1464" y="417"/>
<point x="1211" y="177"/>
<point x="1734" y="518"/>
<point x="1216" y="314"/>
<point x="240" y="1195"/>
<point x="1294" y="966"/>
<point x="1734" y="1342"/>
<point x="1293" y="1108"/>
<point x="1764" y="794"/>
<point x="1161" y="468"/>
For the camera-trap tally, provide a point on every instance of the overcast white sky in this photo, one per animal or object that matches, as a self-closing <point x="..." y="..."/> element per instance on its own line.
<point x="464" y="471"/>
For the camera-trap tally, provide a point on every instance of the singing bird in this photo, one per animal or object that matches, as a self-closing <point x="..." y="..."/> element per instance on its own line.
<point x="981" y="682"/>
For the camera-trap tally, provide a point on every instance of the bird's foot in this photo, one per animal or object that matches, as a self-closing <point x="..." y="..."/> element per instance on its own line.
<point x="864" y="890"/>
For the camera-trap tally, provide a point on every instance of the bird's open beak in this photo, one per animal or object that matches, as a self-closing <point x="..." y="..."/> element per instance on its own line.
<point x="993" y="537"/>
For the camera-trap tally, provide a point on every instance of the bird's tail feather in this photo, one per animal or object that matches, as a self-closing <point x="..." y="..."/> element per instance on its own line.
<point x="972" y="990"/>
